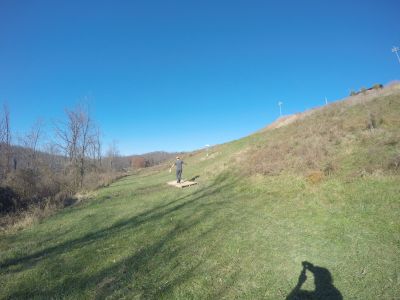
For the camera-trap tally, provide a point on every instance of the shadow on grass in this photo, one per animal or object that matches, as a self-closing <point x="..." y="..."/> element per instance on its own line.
<point x="324" y="288"/>
<point x="194" y="178"/>
<point x="153" y="270"/>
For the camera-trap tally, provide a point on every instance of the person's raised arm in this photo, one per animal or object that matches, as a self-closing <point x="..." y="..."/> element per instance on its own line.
<point x="296" y="289"/>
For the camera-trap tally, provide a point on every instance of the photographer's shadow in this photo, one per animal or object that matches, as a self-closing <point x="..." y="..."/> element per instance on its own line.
<point x="324" y="288"/>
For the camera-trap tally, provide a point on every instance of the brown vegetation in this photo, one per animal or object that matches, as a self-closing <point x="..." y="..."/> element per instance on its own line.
<point x="138" y="162"/>
<point x="315" y="177"/>
<point x="37" y="179"/>
<point x="356" y="135"/>
<point x="34" y="182"/>
<point x="151" y="159"/>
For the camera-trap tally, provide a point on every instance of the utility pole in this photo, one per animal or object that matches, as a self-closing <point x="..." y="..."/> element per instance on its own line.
<point x="280" y="108"/>
<point x="396" y="50"/>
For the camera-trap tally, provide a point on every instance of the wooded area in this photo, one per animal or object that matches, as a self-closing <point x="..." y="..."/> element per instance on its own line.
<point x="47" y="171"/>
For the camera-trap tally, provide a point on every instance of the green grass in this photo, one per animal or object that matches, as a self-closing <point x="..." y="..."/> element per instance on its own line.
<point x="230" y="237"/>
<point x="237" y="234"/>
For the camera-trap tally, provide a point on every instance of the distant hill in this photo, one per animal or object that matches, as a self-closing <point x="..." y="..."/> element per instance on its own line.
<point x="21" y="155"/>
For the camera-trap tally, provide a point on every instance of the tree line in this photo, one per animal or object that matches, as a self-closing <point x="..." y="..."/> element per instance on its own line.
<point x="34" y="172"/>
<point x="48" y="166"/>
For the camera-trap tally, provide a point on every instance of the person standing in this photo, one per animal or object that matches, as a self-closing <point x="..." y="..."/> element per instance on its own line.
<point x="179" y="167"/>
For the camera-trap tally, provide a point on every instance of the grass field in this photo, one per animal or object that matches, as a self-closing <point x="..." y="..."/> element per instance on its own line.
<point x="229" y="237"/>
<point x="234" y="235"/>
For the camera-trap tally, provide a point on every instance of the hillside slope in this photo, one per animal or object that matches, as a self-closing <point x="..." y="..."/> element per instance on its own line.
<point x="323" y="188"/>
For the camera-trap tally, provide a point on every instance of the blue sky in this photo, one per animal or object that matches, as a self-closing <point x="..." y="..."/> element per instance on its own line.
<point x="176" y="75"/>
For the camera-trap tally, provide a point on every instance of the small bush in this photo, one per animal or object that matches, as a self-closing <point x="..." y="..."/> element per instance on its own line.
<point x="12" y="222"/>
<point x="377" y="86"/>
<point x="329" y="168"/>
<point x="9" y="200"/>
<point x="394" y="163"/>
<point x="24" y="183"/>
<point x="315" y="177"/>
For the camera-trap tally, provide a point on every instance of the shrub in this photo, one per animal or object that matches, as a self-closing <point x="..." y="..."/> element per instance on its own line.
<point x="9" y="200"/>
<point x="315" y="177"/>
<point x="138" y="162"/>
<point x="394" y="163"/>
<point x="23" y="182"/>
<point x="329" y="168"/>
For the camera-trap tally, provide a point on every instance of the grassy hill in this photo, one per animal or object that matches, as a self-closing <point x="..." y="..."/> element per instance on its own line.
<point x="322" y="186"/>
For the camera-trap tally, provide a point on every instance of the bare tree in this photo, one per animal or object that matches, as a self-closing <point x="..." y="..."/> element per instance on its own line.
<point x="54" y="158"/>
<point x="98" y="146"/>
<point x="31" y="142"/>
<point x="95" y="145"/>
<point x="112" y="154"/>
<point x="5" y="141"/>
<point x="76" y="138"/>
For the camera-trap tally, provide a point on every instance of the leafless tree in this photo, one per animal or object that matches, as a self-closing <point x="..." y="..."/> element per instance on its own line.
<point x="5" y="141"/>
<point x="95" y="145"/>
<point x="112" y="154"/>
<point x="31" y="143"/>
<point x="77" y="138"/>
<point x="54" y="159"/>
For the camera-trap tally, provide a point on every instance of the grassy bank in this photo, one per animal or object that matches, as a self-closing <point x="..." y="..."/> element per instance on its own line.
<point x="228" y="237"/>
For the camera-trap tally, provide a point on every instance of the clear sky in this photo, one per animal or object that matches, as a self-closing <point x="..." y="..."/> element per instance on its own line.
<point x="176" y="75"/>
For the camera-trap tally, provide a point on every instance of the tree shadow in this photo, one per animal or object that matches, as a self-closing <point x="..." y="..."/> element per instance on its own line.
<point x="117" y="279"/>
<point x="324" y="288"/>
<point x="155" y="213"/>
